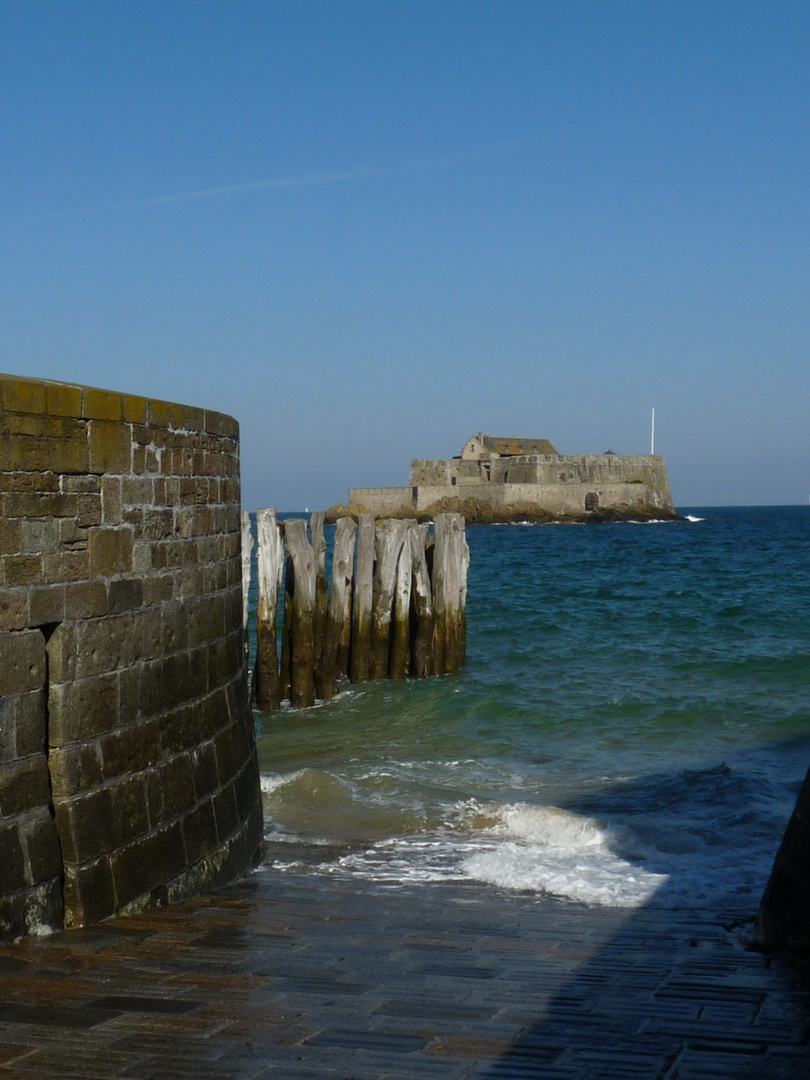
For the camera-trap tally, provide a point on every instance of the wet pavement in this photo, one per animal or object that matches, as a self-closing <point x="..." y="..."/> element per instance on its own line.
<point x="296" y="975"/>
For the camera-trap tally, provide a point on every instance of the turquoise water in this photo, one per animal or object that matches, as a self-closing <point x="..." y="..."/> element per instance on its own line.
<point x="632" y="724"/>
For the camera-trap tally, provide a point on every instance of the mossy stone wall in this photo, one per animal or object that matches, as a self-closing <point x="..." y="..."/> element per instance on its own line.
<point x="128" y="770"/>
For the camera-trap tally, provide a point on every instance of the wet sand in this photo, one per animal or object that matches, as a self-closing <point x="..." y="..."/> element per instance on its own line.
<point x="292" y="975"/>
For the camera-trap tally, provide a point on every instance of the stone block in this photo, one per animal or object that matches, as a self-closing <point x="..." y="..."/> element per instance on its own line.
<point x="220" y="424"/>
<point x="66" y="566"/>
<point x="24" y="786"/>
<point x="80" y="485"/>
<point x="226" y="813"/>
<point x="181" y="729"/>
<point x="129" y="811"/>
<point x="125" y="594"/>
<point x="130" y="749"/>
<point x="247" y="788"/>
<point x="12" y="860"/>
<point x="23" y="570"/>
<point x="23" y="661"/>
<point x="174" y="624"/>
<point x="128" y="680"/>
<point x="12" y="609"/>
<point x="158" y="524"/>
<point x="171" y="789"/>
<point x="10" y="537"/>
<point x="63" y="400"/>
<point x="29" y="722"/>
<point x="111" y="504"/>
<point x="110" y="447"/>
<point x="40" y="536"/>
<point x="104" y="645"/>
<point x="206" y="773"/>
<point x="62" y="653"/>
<point x="200" y="833"/>
<point x="74" y="769"/>
<point x="86" y="600"/>
<point x="102" y="404"/>
<point x="135" y="409"/>
<point x="86" y="826"/>
<point x="89" y="893"/>
<point x="8" y="729"/>
<point x="228" y="762"/>
<point x="88" y="512"/>
<point x="136" y="491"/>
<point x="18" y="394"/>
<point x="110" y="551"/>
<point x="82" y="709"/>
<point x="46" y="604"/>
<point x="148" y="863"/>
<point x="44" y="852"/>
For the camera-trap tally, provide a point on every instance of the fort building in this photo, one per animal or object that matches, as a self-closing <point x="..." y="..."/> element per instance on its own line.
<point x="495" y="478"/>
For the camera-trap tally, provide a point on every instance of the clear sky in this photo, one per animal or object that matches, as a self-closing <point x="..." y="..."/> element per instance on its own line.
<point x="368" y="230"/>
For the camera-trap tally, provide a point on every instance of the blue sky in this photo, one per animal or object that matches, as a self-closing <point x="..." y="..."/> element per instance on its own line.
<point x="368" y="230"/>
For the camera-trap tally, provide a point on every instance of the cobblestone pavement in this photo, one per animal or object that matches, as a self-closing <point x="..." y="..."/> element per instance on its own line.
<point x="285" y="975"/>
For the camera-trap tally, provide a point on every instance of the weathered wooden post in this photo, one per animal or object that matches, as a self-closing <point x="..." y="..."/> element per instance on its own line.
<point x="301" y="592"/>
<point x="360" y="659"/>
<point x="422" y="603"/>
<point x="450" y="563"/>
<point x="388" y="544"/>
<point x="270" y="564"/>
<point x="401" y="627"/>
<point x="316" y="520"/>
<point x="247" y="548"/>
<point x="338" y="619"/>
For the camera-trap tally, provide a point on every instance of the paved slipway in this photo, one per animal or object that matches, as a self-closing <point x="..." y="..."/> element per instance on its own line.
<point x="288" y="975"/>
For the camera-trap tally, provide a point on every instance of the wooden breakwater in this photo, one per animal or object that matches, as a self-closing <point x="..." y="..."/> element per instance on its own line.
<point x="395" y="605"/>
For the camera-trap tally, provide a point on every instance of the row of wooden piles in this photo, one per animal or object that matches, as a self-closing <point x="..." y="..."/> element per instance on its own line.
<point x="395" y="606"/>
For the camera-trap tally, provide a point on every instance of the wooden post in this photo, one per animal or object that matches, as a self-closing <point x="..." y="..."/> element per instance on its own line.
<point x="338" y="619"/>
<point x="270" y="564"/>
<point x="247" y="548"/>
<point x="316" y="520"/>
<point x="400" y="630"/>
<point x="302" y="597"/>
<point x="286" y="629"/>
<point x="422" y="603"/>
<point x="450" y="562"/>
<point x="388" y="544"/>
<point x="360" y="659"/>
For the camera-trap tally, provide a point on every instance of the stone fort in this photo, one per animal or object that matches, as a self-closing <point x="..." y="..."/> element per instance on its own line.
<point x="509" y="476"/>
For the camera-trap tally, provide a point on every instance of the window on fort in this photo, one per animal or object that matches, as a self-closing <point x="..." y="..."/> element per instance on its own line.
<point x="591" y="500"/>
<point x="486" y="472"/>
<point x="453" y="481"/>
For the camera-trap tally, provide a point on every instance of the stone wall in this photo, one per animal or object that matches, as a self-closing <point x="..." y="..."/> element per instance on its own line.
<point x="128" y="770"/>
<point x="382" y="501"/>
<point x="783" y="920"/>
<point x="555" y="483"/>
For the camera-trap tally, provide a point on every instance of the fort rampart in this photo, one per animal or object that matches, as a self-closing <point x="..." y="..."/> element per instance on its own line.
<point x="556" y="484"/>
<point x="128" y="770"/>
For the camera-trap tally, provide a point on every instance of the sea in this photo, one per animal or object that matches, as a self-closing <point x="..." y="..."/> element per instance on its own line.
<point x="631" y="727"/>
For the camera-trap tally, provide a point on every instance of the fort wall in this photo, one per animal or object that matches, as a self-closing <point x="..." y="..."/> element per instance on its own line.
<point x="557" y="484"/>
<point x="128" y="769"/>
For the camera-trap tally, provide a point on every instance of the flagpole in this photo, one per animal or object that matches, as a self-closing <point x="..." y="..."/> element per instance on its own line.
<point x="652" y="434"/>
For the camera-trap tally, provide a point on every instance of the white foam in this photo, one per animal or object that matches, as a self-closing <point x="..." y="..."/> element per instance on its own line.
<point x="597" y="878"/>
<point x="559" y="853"/>
<point x="691" y="517"/>
<point x="270" y="782"/>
